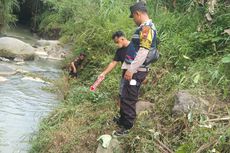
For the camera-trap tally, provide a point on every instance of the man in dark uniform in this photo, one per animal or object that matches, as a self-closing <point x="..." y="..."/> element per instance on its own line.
<point x="122" y="44"/>
<point x="75" y="65"/>
<point x="134" y="66"/>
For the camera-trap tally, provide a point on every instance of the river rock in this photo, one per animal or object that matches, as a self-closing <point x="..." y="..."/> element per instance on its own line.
<point x="19" y="59"/>
<point x="36" y="79"/>
<point x="4" y="59"/>
<point x="41" y="53"/>
<point x="44" y="43"/>
<point x="6" y="70"/>
<point x="143" y="106"/>
<point x="13" y="48"/>
<point x="51" y="49"/>
<point x="185" y="102"/>
<point x="22" y="71"/>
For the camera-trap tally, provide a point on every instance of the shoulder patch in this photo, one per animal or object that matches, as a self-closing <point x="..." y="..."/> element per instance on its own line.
<point x="145" y="32"/>
<point x="146" y="37"/>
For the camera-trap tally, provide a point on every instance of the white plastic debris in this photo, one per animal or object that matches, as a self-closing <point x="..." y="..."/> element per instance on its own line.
<point x="105" y="140"/>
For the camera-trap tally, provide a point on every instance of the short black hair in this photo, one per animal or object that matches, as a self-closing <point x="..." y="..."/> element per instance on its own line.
<point x="82" y="54"/>
<point x="139" y="6"/>
<point x="117" y="34"/>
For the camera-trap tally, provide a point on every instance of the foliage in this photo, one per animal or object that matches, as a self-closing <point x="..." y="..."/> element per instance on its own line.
<point x="6" y="10"/>
<point x="226" y="59"/>
<point x="194" y="56"/>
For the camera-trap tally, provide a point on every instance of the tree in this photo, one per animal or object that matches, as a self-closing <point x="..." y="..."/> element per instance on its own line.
<point x="6" y="10"/>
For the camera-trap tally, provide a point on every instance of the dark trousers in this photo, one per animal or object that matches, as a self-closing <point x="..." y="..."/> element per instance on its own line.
<point x="129" y="98"/>
<point x="73" y="75"/>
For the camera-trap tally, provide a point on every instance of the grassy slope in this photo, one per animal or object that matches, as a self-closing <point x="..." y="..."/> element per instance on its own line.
<point x="189" y="60"/>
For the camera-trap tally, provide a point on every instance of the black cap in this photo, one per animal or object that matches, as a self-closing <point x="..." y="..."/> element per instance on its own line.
<point x="140" y="6"/>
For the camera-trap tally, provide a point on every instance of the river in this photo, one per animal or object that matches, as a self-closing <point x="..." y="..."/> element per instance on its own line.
<point x="23" y="102"/>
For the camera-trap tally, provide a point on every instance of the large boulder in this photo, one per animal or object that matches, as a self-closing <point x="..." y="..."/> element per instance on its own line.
<point x="6" y="70"/>
<point x="185" y="102"/>
<point x="13" y="48"/>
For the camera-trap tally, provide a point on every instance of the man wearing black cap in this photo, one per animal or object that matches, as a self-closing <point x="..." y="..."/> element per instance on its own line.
<point x="135" y="67"/>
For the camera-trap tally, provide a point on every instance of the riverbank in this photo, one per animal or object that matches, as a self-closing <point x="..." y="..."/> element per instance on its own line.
<point x="192" y="51"/>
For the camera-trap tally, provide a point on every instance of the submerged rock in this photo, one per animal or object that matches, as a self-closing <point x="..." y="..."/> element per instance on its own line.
<point x="6" y="70"/>
<point x="22" y="71"/>
<point x="12" y="48"/>
<point x="34" y="79"/>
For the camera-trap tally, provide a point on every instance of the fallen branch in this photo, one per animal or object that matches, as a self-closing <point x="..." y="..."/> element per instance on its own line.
<point x="160" y="148"/>
<point x="211" y="114"/>
<point x="205" y="146"/>
<point x="164" y="146"/>
<point x="218" y="119"/>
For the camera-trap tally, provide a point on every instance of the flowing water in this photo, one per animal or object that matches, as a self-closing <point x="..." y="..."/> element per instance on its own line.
<point x="23" y="103"/>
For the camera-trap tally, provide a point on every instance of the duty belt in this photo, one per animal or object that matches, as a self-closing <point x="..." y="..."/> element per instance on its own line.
<point x="143" y="69"/>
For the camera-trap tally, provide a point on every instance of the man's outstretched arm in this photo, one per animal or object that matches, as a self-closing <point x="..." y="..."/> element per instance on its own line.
<point x="74" y="68"/>
<point x="109" y="68"/>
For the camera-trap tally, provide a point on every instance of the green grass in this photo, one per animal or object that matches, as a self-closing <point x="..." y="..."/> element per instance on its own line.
<point x="191" y="59"/>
